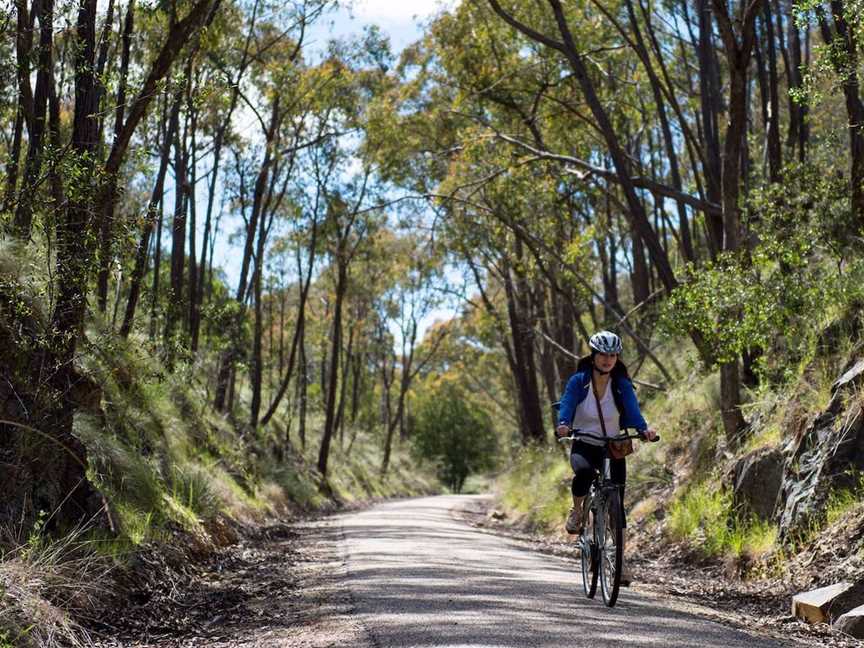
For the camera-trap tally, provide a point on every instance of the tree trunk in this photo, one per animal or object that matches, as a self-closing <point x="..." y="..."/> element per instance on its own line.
<point x="54" y="179"/>
<point x="178" y="239"/>
<point x="257" y="356"/>
<point x="107" y="222"/>
<point x="333" y="372"/>
<point x="283" y="293"/>
<point x="738" y="56"/>
<point x="36" y="140"/>
<point x="153" y="212"/>
<point x="639" y="278"/>
<point x="71" y="488"/>
<point x="775" y="159"/>
<point x="25" y="22"/>
<point x="522" y="340"/>
<point x="564" y="315"/>
<point x="730" y="399"/>
<point x="343" y="388"/>
<point x="709" y="90"/>
<point x="304" y="385"/>
<point x="13" y="161"/>
<point x="194" y="312"/>
<point x="798" y="130"/>
<point x="764" y="91"/>
<point x="356" y="380"/>
<point x="157" y="266"/>
<point x="548" y="370"/>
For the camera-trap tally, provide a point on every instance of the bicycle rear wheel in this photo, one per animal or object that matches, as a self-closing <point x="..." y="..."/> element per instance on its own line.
<point x="612" y="550"/>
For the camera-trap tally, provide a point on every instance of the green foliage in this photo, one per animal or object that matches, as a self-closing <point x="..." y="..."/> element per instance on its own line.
<point x="844" y="500"/>
<point x="833" y="63"/>
<point x="703" y="516"/>
<point x="775" y="296"/>
<point x="451" y="431"/>
<point x="840" y="503"/>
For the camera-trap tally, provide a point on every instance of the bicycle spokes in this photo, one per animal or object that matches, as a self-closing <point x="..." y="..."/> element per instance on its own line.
<point x="612" y="550"/>
<point x="609" y="553"/>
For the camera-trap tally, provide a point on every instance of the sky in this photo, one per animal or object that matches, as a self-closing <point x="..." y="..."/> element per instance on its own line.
<point x="401" y="21"/>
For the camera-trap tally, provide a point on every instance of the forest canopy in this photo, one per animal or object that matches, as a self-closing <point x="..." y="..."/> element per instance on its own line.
<point x="317" y="233"/>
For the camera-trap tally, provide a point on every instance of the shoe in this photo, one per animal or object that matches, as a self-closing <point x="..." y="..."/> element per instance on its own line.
<point x="573" y="525"/>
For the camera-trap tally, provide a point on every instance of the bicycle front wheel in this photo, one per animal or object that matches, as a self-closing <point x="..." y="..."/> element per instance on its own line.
<point x="588" y="549"/>
<point x="612" y="549"/>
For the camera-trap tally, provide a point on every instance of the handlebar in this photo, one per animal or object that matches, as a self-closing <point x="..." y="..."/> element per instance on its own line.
<point x="575" y="435"/>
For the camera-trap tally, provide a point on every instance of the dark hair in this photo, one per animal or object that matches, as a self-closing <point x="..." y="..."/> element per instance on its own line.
<point x="619" y="370"/>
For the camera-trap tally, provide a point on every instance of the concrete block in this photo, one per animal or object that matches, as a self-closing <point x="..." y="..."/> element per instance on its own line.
<point x="814" y="606"/>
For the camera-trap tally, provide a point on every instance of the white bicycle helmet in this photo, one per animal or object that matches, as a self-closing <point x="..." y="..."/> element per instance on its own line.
<point x="605" y="342"/>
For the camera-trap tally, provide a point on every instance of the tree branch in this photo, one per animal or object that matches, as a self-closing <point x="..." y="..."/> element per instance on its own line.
<point x="638" y="182"/>
<point x="525" y="29"/>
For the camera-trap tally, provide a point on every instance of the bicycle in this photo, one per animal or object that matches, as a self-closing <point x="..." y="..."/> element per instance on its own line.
<point x="603" y="545"/>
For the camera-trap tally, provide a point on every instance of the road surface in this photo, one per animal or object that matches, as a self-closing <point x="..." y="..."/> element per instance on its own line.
<point x="419" y="577"/>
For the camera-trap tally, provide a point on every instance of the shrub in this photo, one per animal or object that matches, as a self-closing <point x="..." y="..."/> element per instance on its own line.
<point x="456" y="435"/>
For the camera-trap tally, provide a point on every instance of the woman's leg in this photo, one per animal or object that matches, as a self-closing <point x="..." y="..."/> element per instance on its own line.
<point x="585" y="460"/>
<point x="618" y="473"/>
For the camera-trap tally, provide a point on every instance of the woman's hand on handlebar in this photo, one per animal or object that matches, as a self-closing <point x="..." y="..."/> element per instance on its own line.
<point x="649" y="434"/>
<point x="562" y="430"/>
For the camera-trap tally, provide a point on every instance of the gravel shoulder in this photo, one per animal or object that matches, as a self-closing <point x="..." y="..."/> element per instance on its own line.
<point x="278" y="585"/>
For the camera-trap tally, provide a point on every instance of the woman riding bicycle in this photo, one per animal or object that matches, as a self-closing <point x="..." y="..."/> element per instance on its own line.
<point x="586" y="389"/>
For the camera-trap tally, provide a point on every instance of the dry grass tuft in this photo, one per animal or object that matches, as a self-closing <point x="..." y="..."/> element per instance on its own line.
<point x="48" y="585"/>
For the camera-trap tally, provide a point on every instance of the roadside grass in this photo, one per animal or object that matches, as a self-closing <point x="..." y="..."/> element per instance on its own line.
<point x="354" y="469"/>
<point x="478" y="484"/>
<point x="536" y="487"/>
<point x="704" y="518"/>
<point x="843" y="501"/>
<point x="158" y="458"/>
<point x="46" y="583"/>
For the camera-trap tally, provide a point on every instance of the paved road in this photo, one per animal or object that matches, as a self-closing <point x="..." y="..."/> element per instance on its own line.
<point x="421" y="578"/>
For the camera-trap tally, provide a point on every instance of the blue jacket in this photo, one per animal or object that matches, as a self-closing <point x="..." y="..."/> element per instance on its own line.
<point x="622" y="392"/>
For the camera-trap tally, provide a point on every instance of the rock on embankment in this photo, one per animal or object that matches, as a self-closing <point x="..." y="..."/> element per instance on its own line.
<point x="791" y="485"/>
<point x="826" y="456"/>
<point x="841" y="605"/>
